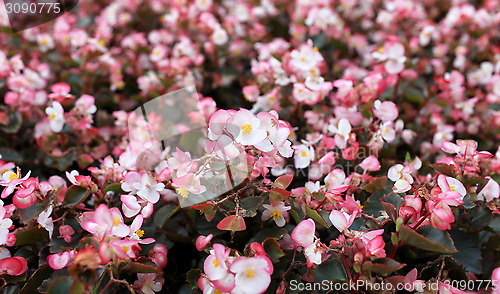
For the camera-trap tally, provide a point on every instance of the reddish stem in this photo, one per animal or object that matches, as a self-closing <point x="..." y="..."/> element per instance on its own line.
<point x="421" y="220"/>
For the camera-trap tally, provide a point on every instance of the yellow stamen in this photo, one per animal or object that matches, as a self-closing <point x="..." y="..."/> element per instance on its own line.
<point x="13" y="176"/>
<point x="276" y="214"/>
<point x="247" y="129"/>
<point x="116" y="222"/>
<point x="303" y="154"/>
<point x="250" y="273"/>
<point x="140" y="233"/>
<point x="126" y="249"/>
<point x="181" y="191"/>
<point x="52" y="116"/>
<point x="216" y="262"/>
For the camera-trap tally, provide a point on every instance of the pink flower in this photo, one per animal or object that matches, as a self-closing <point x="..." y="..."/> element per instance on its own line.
<point x="11" y="180"/>
<point x="386" y="111"/>
<point x="136" y="233"/>
<point x="148" y="283"/>
<point x="251" y="276"/>
<point x="245" y="128"/>
<point x="303" y="233"/>
<point x="370" y="163"/>
<point x="104" y="222"/>
<point x="449" y="184"/>
<point x="66" y="231"/>
<point x="342" y="220"/>
<point x="394" y="56"/>
<point x="60" y="260"/>
<point x="342" y="131"/>
<point x="217" y="269"/>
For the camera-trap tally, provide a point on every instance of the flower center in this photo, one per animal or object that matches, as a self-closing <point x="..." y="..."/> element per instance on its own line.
<point x="52" y="116"/>
<point x="13" y="176"/>
<point x="247" y="129"/>
<point x="183" y="192"/>
<point x="140" y="233"/>
<point x="250" y="273"/>
<point x="116" y="221"/>
<point x="303" y="154"/>
<point x="276" y="214"/>
<point x="216" y="262"/>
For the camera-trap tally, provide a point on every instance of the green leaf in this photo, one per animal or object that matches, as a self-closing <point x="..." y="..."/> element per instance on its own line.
<point x="383" y="266"/>
<point x="468" y="253"/>
<point x="136" y="267"/>
<point x="427" y="238"/>
<point x="315" y="216"/>
<point x="373" y="206"/>
<point x="115" y="187"/>
<point x="250" y="205"/>
<point x="36" y="279"/>
<point x="445" y="169"/>
<point x="164" y="213"/>
<point x="414" y="96"/>
<point x="34" y="210"/>
<point x="75" y="195"/>
<point x="31" y="235"/>
<point x="330" y="270"/>
<point x="10" y="155"/>
<point x="265" y="233"/>
<point x="15" y="121"/>
<point x="273" y="249"/>
<point x="376" y="185"/>
<point x="472" y="181"/>
<point x="60" y="285"/>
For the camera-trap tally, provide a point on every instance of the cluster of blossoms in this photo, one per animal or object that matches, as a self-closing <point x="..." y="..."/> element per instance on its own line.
<point x="229" y="272"/>
<point x="328" y="140"/>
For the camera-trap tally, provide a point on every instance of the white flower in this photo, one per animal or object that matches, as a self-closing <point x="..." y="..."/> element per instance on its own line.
<point x="71" y="177"/>
<point x="306" y="58"/>
<point x="303" y="156"/>
<point x="45" y="220"/>
<point x="148" y="189"/>
<point x="220" y="37"/>
<point x="277" y="213"/>
<point x="245" y="128"/>
<point x="341" y="131"/>
<point x="56" y="116"/>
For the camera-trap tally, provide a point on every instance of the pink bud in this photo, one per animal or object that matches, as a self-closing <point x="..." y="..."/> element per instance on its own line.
<point x="303" y="234"/>
<point x="202" y="241"/>
<point x="13" y="266"/>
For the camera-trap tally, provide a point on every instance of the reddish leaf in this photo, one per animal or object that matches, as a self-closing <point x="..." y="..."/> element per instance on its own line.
<point x="446" y="169"/>
<point x="273" y="249"/>
<point x="283" y="181"/>
<point x="383" y="266"/>
<point x="232" y="223"/>
<point x="207" y="209"/>
<point x="376" y="185"/>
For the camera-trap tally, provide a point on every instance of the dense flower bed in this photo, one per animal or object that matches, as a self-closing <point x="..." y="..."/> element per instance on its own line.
<point x="361" y="139"/>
